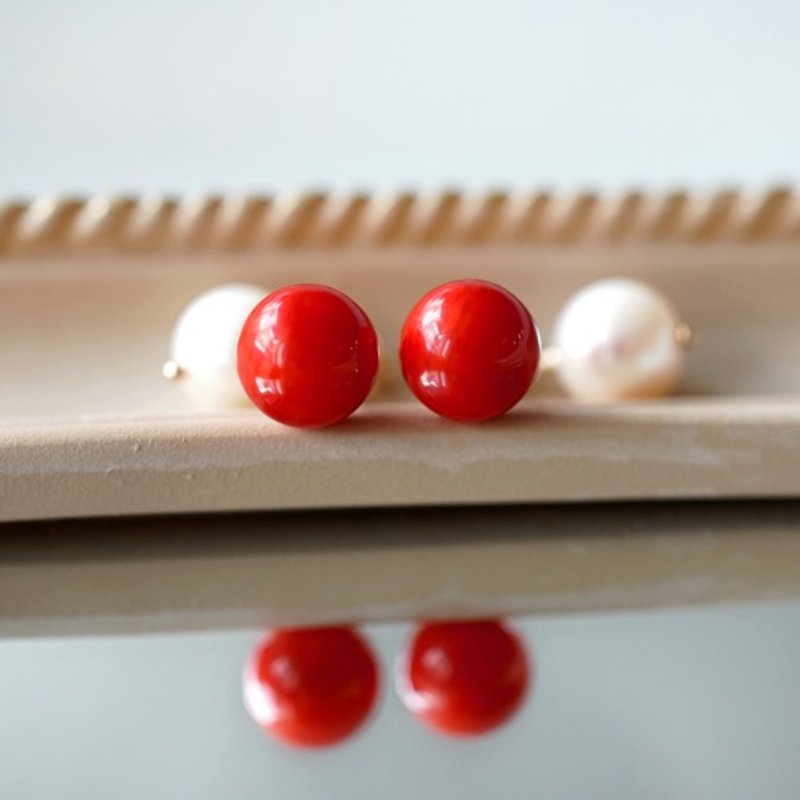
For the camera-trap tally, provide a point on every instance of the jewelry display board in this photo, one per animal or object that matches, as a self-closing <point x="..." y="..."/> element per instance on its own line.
<point x="89" y="291"/>
<point x="600" y="500"/>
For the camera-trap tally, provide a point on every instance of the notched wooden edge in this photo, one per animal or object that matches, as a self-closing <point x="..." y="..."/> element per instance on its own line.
<point x="141" y="224"/>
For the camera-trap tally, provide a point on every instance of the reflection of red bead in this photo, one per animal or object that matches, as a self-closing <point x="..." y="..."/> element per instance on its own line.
<point x="464" y="678"/>
<point x="311" y="687"/>
<point x="469" y="350"/>
<point x="307" y="356"/>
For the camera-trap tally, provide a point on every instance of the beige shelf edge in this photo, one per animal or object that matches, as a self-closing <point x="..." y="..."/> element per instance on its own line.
<point x="138" y="575"/>
<point x="397" y="455"/>
<point x="422" y="219"/>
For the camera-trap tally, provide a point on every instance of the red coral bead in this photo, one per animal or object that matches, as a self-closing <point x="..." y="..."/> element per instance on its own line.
<point x="307" y="356"/>
<point x="469" y="350"/>
<point x="464" y="678"/>
<point x="311" y="687"/>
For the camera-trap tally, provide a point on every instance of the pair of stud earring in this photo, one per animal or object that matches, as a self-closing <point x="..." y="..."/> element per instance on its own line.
<point x="470" y="350"/>
<point x="317" y="686"/>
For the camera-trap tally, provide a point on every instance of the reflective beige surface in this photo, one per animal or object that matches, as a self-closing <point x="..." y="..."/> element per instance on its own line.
<point x="210" y="572"/>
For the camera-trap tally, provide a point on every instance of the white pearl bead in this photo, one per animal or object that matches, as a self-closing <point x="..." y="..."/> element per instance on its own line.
<point x="205" y="339"/>
<point x="616" y="340"/>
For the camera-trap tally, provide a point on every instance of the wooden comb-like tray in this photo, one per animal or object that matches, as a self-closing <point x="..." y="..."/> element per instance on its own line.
<point x="89" y="291"/>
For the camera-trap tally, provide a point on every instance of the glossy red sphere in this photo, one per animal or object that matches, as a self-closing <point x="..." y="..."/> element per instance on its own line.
<point x="307" y="356"/>
<point x="469" y="350"/>
<point x="464" y="678"/>
<point x="311" y="687"/>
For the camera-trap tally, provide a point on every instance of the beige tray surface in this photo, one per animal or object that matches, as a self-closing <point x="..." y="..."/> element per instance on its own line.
<point x="90" y="289"/>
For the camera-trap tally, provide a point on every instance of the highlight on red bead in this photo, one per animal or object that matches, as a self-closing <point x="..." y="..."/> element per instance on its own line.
<point x="469" y="350"/>
<point x="311" y="687"/>
<point x="463" y="678"/>
<point x="307" y="356"/>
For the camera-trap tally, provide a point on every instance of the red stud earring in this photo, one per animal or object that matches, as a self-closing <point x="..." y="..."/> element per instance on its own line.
<point x="463" y="678"/>
<point x="311" y="687"/>
<point x="307" y="356"/>
<point x="469" y="350"/>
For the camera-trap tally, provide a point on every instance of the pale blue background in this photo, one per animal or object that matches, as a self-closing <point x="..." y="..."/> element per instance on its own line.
<point x="153" y="95"/>
<point x="180" y="95"/>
